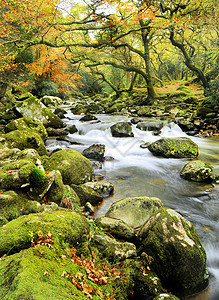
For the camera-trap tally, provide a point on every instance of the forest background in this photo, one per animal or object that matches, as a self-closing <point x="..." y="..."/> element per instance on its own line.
<point x="104" y="46"/>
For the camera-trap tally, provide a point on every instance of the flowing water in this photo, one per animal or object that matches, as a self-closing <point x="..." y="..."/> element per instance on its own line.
<point x="135" y="171"/>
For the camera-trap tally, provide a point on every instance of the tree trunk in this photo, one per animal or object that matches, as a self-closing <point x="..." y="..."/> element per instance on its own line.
<point x="145" y="38"/>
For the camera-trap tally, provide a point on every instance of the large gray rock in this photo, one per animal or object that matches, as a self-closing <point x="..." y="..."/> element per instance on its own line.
<point x="36" y="110"/>
<point x="179" y="258"/>
<point x="174" y="147"/>
<point x="197" y="170"/>
<point x="117" y="228"/>
<point x="134" y="211"/>
<point x="122" y="129"/>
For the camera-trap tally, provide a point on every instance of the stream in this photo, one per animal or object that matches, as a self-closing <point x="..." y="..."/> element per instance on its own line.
<point x="135" y="171"/>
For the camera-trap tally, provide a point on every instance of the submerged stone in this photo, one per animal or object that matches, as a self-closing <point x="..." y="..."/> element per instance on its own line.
<point x="134" y="210"/>
<point x="179" y="258"/>
<point x="174" y="147"/>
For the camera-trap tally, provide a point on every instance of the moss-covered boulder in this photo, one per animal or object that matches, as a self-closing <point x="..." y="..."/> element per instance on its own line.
<point x="23" y="139"/>
<point x="15" y="174"/>
<point x="117" y="228"/>
<point x="113" y="249"/>
<point x="36" y="110"/>
<point x="70" y="199"/>
<point x="13" y="205"/>
<point x="74" y="167"/>
<point x="121" y="129"/>
<point x="65" y="227"/>
<point x="27" y="123"/>
<point x="134" y="211"/>
<point x="46" y="185"/>
<point x="51" y="100"/>
<point x="95" y="151"/>
<point x="87" y="194"/>
<point x="179" y="258"/>
<point x="197" y="170"/>
<point x="44" y="273"/>
<point x="174" y="147"/>
<point x="144" y="283"/>
<point x="16" y="167"/>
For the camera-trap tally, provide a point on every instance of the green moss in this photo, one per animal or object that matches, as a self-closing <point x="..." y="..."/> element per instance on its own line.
<point x="37" y="177"/>
<point x="23" y="139"/>
<point x="66" y="227"/>
<point x="13" y="205"/>
<point x="74" y="167"/>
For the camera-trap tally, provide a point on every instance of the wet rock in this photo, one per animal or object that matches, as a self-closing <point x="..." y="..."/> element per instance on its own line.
<point x="104" y="188"/>
<point x="135" y="120"/>
<point x="74" y="167"/>
<point x="58" y="111"/>
<point x="36" y="110"/>
<point x="134" y="210"/>
<point x="88" y="117"/>
<point x="174" y="147"/>
<point x="57" y="132"/>
<point x="179" y="258"/>
<point x="114" y="250"/>
<point x="87" y="194"/>
<point x="72" y="129"/>
<point x="117" y="228"/>
<point x="95" y="151"/>
<point x="122" y="129"/>
<point x="150" y="126"/>
<point x="197" y="170"/>
<point x="27" y="123"/>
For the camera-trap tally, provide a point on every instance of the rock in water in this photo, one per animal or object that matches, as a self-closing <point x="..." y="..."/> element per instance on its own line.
<point x="122" y="129"/>
<point x="174" y="147"/>
<point x="179" y="258"/>
<point x="95" y="151"/>
<point x="197" y="170"/>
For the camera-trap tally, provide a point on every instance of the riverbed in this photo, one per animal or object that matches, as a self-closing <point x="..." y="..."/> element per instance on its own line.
<point x="135" y="171"/>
